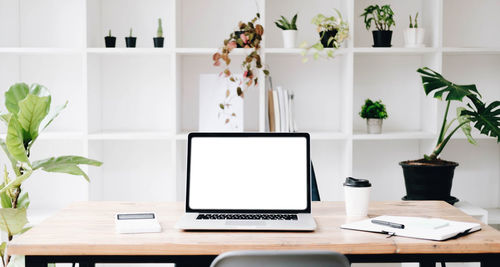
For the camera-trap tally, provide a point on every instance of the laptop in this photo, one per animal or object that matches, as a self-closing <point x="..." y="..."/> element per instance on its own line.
<point x="248" y="181"/>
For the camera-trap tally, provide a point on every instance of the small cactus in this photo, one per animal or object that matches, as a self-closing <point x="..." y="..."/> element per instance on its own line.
<point x="109" y="33"/>
<point x="130" y="35"/>
<point x="159" y="32"/>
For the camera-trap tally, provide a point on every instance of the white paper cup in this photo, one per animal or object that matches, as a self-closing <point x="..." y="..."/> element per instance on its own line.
<point x="356" y="196"/>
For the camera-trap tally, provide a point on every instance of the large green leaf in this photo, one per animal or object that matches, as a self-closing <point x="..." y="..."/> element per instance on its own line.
<point x="435" y="82"/>
<point x="5" y="199"/>
<point x="16" y="93"/>
<point x="65" y="164"/>
<point x="13" y="161"/>
<point x="465" y="122"/>
<point x="15" y="140"/>
<point x="32" y="110"/>
<point x="17" y="261"/>
<point x="486" y="118"/>
<point x="12" y="220"/>
<point x="2" y="249"/>
<point x="5" y="117"/>
<point x="18" y="181"/>
<point x="23" y="201"/>
<point x="52" y="115"/>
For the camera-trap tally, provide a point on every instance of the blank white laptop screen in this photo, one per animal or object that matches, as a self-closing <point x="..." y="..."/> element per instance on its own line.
<point x="248" y="173"/>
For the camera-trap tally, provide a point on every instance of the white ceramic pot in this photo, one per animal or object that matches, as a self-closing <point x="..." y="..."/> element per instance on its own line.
<point x="414" y="37"/>
<point x="289" y="38"/>
<point x="374" y="126"/>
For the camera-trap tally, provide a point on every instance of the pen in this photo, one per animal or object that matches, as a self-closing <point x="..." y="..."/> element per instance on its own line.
<point x="390" y="224"/>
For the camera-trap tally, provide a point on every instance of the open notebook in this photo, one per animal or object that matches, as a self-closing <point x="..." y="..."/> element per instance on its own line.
<point x="416" y="227"/>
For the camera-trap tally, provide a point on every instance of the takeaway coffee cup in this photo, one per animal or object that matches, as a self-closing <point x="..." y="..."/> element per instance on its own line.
<point x="356" y="196"/>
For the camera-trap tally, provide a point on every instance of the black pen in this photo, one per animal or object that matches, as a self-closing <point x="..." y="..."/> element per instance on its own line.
<point x="390" y="224"/>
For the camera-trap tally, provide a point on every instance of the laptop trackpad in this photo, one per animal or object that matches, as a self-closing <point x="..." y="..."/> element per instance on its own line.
<point x="246" y="223"/>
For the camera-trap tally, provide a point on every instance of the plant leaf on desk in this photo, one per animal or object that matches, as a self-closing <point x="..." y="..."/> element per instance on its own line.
<point x="65" y="164"/>
<point x="12" y="221"/>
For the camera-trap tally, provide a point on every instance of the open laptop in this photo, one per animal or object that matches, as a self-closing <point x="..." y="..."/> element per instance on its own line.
<point x="248" y="181"/>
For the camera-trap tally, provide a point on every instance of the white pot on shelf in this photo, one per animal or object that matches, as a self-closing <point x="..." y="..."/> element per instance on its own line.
<point x="414" y="37"/>
<point x="374" y="126"/>
<point x="289" y="38"/>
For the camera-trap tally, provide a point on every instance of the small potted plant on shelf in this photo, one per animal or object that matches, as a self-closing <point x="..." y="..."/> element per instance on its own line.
<point x="383" y="18"/>
<point x="332" y="30"/>
<point x="430" y="178"/>
<point x="414" y="36"/>
<point x="130" y="40"/>
<point x="158" y="40"/>
<point x="374" y="112"/>
<point x="289" y="30"/>
<point x="110" y="40"/>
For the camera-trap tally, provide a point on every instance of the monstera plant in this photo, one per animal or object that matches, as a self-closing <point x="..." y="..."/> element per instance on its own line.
<point x="430" y="178"/>
<point x="28" y="114"/>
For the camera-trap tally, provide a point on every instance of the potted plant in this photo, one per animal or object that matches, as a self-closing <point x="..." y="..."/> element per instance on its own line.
<point x="332" y="30"/>
<point x="158" y="40"/>
<point x="28" y="114"/>
<point x="430" y="178"/>
<point x="289" y="31"/>
<point x="414" y="36"/>
<point x="250" y="37"/>
<point x="130" y="40"/>
<point x="110" y="41"/>
<point x="374" y="112"/>
<point x="383" y="18"/>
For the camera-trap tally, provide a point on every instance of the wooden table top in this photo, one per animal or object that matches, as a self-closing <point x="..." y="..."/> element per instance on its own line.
<point x="88" y="228"/>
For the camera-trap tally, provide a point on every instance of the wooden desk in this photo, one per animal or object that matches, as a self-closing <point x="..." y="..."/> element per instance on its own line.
<point x="85" y="233"/>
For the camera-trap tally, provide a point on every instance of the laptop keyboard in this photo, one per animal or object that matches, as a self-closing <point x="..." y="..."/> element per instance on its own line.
<point x="231" y="216"/>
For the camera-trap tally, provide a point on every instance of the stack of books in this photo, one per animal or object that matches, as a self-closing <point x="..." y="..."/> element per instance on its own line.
<point x="280" y="110"/>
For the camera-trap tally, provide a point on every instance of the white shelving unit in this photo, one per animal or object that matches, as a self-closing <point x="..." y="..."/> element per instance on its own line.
<point x="132" y="107"/>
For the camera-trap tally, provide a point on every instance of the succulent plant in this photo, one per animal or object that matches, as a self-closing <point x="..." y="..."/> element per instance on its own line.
<point x="159" y="32"/>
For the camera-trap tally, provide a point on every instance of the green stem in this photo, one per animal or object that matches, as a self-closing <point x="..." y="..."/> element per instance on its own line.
<point x="442" y="144"/>
<point x="443" y="126"/>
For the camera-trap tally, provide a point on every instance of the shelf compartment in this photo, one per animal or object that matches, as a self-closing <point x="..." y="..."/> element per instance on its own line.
<point x="387" y="135"/>
<point x="318" y="105"/>
<point x="394" y="50"/>
<point x="478" y="30"/>
<point x="132" y="135"/>
<point x="129" y="93"/>
<point x="428" y="17"/>
<point x="306" y="10"/>
<point x="121" y="15"/>
<point x="394" y="80"/>
<point x="145" y="164"/>
<point x="129" y="51"/>
<point x="471" y="50"/>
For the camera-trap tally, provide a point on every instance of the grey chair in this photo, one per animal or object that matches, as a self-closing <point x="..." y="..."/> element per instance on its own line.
<point x="286" y="258"/>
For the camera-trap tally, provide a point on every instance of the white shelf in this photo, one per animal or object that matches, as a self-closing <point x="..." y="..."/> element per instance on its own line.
<point x="394" y="50"/>
<point x="130" y="136"/>
<point x="56" y="135"/>
<point x="471" y="50"/>
<point x="40" y="51"/>
<point x="129" y="51"/>
<point x="394" y="136"/>
<point x="328" y="136"/>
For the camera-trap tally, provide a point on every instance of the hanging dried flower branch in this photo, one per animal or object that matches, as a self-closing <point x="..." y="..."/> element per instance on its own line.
<point x="249" y="35"/>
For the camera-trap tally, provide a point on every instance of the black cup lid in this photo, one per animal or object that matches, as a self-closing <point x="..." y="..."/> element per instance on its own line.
<point x="350" y="181"/>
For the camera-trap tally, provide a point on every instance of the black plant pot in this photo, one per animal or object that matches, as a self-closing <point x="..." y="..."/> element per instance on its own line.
<point x="130" y="41"/>
<point x="158" y="41"/>
<point x="238" y="33"/>
<point x="382" y="38"/>
<point x="325" y="36"/>
<point x="429" y="182"/>
<point x="110" y="41"/>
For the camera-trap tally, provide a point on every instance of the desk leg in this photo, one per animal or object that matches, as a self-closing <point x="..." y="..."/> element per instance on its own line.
<point x="30" y="261"/>
<point x="86" y="263"/>
<point x="427" y="264"/>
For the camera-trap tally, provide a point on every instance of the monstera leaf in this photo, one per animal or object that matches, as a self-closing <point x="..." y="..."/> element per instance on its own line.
<point x="65" y="164"/>
<point x="486" y="118"/>
<point x="435" y="82"/>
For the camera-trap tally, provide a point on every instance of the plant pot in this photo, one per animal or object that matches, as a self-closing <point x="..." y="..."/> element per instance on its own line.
<point x="110" y="41"/>
<point x="382" y="38"/>
<point x="414" y="37"/>
<point x="429" y="181"/>
<point x="130" y="41"/>
<point x="289" y="38"/>
<point x="325" y="36"/>
<point x="158" y="41"/>
<point x="374" y="126"/>
<point x="238" y="33"/>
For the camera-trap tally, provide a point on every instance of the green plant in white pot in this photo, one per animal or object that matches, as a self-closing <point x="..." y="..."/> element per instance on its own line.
<point x="374" y="112"/>
<point x="430" y="178"/>
<point x="289" y="30"/>
<point x="28" y="114"/>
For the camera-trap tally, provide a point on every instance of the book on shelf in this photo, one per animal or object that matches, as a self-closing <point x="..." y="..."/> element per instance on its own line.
<point x="279" y="109"/>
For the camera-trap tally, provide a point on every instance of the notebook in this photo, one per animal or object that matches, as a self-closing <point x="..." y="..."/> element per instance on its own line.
<point x="416" y="227"/>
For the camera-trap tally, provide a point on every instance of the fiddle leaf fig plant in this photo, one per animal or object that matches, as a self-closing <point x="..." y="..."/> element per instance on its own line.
<point x="485" y="117"/>
<point x="28" y="113"/>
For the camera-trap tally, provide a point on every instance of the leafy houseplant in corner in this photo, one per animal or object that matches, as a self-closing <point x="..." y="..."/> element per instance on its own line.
<point x="130" y="40"/>
<point x="332" y="33"/>
<point x="28" y="114"/>
<point x="110" y="40"/>
<point x="374" y="112"/>
<point x="431" y="178"/>
<point x="414" y="36"/>
<point x="158" y="40"/>
<point x="383" y="19"/>
<point x="289" y="31"/>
